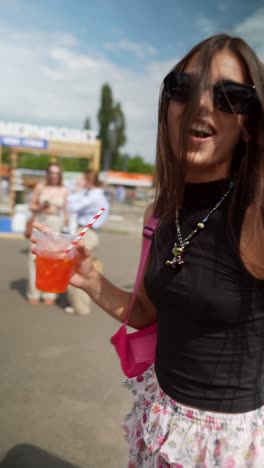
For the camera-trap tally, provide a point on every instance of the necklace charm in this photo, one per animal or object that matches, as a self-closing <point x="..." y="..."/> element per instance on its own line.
<point x="177" y="250"/>
<point x="177" y="259"/>
<point x="180" y="244"/>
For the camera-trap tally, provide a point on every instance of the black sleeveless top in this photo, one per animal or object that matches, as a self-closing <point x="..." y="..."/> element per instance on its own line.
<point x="210" y="311"/>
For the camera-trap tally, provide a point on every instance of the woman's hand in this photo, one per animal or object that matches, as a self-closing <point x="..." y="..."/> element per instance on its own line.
<point x="83" y="266"/>
<point x="47" y="208"/>
<point x="38" y="227"/>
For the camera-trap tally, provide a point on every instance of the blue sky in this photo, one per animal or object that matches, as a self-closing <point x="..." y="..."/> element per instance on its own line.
<point x="56" y="54"/>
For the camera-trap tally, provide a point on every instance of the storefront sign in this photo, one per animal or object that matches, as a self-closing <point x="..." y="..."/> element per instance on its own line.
<point x="34" y="143"/>
<point x="18" y="129"/>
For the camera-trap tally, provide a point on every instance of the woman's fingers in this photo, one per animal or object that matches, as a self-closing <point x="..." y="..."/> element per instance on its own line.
<point x="38" y="227"/>
<point x="41" y="227"/>
<point x="81" y="250"/>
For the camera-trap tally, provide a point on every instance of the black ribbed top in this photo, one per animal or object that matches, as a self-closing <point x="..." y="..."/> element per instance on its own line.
<point x="210" y="311"/>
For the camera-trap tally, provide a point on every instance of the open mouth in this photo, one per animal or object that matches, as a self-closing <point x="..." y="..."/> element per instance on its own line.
<point x="201" y="132"/>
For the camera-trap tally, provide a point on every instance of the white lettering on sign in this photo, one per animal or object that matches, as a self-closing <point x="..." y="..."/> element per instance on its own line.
<point x="12" y="141"/>
<point x="16" y="129"/>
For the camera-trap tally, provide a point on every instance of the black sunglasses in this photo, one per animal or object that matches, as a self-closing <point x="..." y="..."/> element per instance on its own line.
<point x="229" y="96"/>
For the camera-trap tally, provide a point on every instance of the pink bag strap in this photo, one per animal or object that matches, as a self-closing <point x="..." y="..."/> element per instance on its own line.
<point x="148" y="232"/>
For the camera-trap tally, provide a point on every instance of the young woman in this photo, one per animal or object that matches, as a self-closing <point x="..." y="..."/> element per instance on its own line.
<point x="201" y="403"/>
<point x="49" y="207"/>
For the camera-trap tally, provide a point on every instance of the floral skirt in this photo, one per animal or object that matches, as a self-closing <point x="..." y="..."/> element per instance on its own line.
<point x="163" y="433"/>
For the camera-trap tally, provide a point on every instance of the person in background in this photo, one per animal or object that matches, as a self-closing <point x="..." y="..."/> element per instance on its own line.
<point x="85" y="202"/>
<point x="49" y="207"/>
<point x="201" y="404"/>
<point x="120" y="193"/>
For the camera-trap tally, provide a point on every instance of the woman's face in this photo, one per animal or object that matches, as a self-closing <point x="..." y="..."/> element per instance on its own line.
<point x="210" y="158"/>
<point x="54" y="175"/>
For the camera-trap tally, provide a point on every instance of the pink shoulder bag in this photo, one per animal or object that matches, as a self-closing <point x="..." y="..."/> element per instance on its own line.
<point x="137" y="350"/>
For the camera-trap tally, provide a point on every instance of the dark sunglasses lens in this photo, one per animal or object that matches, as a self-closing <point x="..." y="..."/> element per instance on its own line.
<point x="234" y="98"/>
<point x="177" y="86"/>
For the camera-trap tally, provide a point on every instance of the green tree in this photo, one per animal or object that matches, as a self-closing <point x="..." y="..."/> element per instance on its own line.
<point x="105" y="119"/>
<point x="33" y="161"/>
<point x="135" y="164"/>
<point x="119" y="138"/>
<point x="112" y="128"/>
<point x="87" y="124"/>
<point x="139" y="166"/>
<point x="41" y="161"/>
<point x="6" y="152"/>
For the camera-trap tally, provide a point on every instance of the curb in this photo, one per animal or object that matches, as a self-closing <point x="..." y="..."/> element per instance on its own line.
<point x="12" y="235"/>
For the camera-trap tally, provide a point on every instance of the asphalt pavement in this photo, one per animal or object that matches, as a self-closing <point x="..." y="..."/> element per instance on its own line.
<point x="61" y="394"/>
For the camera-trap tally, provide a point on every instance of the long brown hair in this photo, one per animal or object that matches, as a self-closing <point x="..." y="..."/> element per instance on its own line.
<point x="248" y="159"/>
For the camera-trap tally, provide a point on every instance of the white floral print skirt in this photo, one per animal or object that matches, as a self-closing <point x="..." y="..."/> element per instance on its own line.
<point x="163" y="433"/>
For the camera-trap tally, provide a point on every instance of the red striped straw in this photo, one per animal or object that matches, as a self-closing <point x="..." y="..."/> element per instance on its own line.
<point x="88" y="226"/>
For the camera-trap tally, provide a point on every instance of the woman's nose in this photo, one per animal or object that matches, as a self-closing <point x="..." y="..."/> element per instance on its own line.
<point x="206" y="101"/>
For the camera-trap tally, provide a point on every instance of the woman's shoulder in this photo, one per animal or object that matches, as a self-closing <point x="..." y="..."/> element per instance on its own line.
<point x="148" y="212"/>
<point x="39" y="187"/>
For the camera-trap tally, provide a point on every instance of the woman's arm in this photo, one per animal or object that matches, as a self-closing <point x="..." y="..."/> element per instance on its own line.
<point x="109" y="297"/>
<point x="80" y="200"/>
<point x="105" y="294"/>
<point x="35" y="205"/>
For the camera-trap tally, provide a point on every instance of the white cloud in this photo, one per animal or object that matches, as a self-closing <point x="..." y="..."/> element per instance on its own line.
<point x="253" y="25"/>
<point x="206" y="25"/>
<point x="139" y="49"/>
<point x="46" y="80"/>
<point x="251" y="29"/>
<point x="71" y="60"/>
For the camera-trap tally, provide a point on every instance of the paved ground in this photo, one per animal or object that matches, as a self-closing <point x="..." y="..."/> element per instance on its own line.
<point x="61" y="398"/>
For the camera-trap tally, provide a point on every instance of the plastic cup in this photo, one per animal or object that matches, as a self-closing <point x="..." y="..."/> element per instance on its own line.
<point x="53" y="265"/>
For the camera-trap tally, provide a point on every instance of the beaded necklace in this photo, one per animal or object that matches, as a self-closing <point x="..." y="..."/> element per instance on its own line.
<point x="180" y="244"/>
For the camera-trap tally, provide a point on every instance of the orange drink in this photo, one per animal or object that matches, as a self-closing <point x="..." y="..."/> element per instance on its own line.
<point x="53" y="272"/>
<point x="53" y="265"/>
